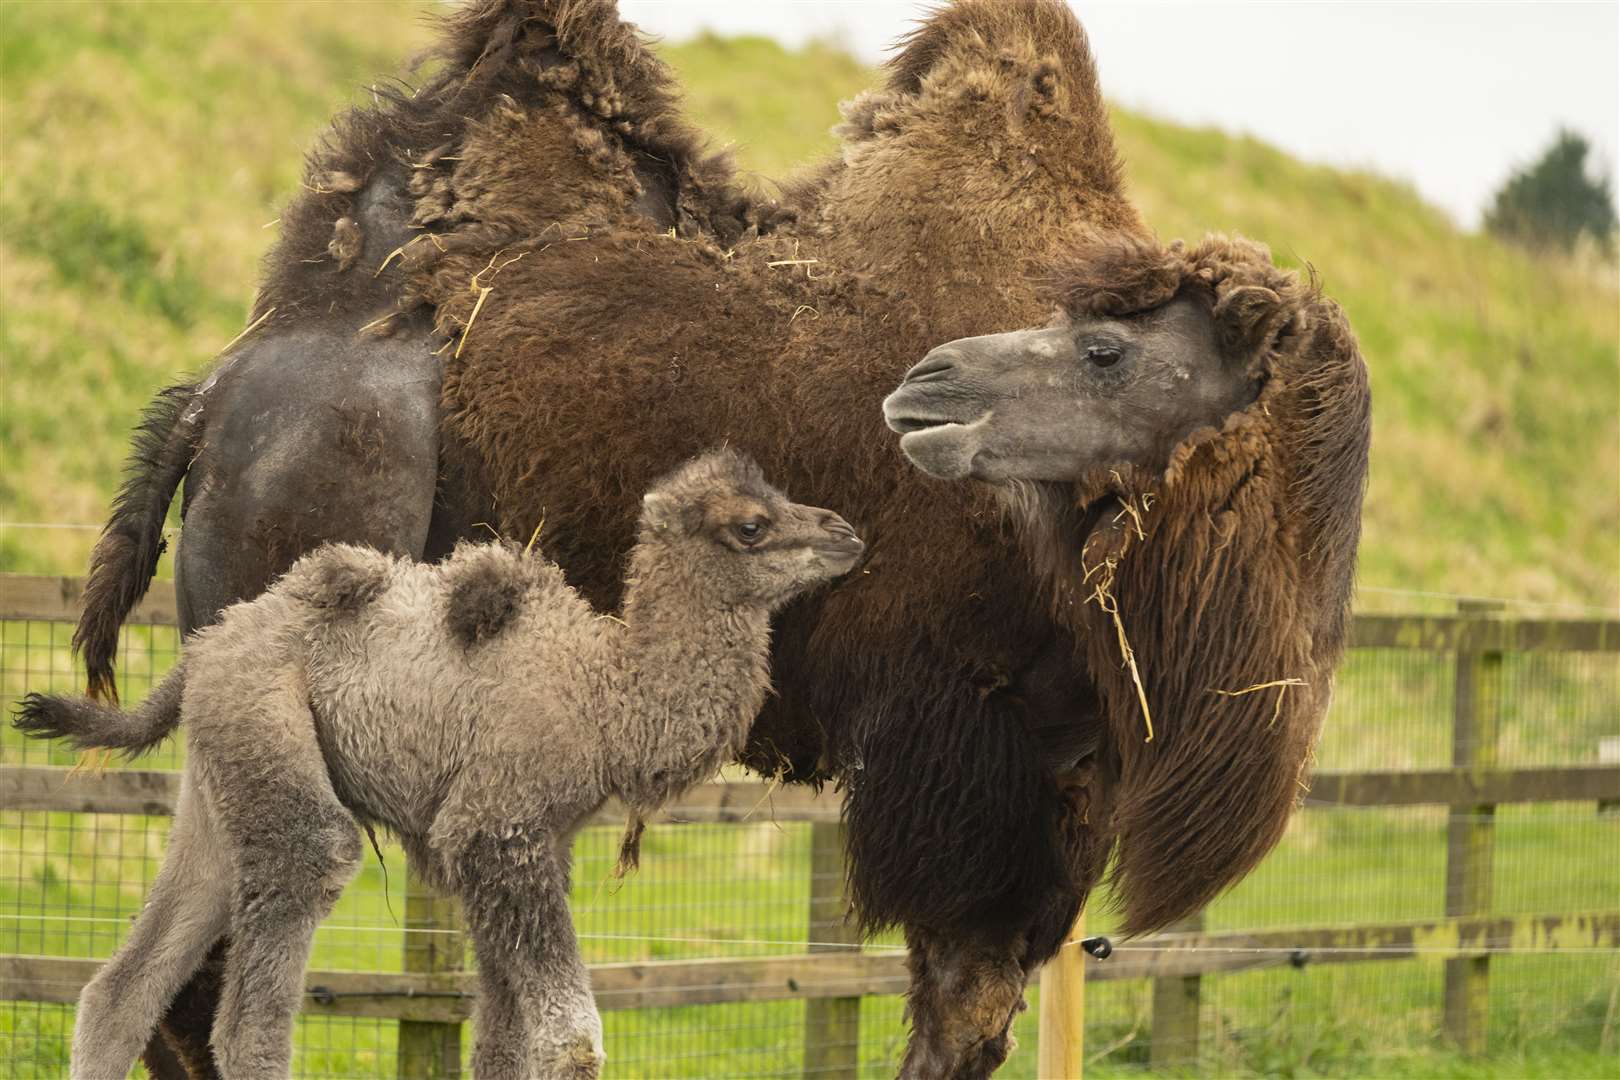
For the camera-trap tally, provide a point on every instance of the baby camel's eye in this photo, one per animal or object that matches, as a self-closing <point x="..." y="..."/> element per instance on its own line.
<point x="749" y="532"/>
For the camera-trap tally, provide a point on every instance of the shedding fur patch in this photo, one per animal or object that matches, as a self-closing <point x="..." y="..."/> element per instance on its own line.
<point x="346" y="243"/>
<point x="487" y="586"/>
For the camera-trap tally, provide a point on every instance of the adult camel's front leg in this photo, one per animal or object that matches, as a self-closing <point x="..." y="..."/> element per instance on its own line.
<point x="966" y="989"/>
<point x="963" y="998"/>
<point x="307" y="437"/>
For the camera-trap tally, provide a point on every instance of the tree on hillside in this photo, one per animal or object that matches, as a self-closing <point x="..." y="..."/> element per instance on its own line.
<point x="1551" y="202"/>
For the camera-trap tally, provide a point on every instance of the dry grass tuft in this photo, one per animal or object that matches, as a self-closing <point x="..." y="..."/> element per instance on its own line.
<point x="254" y="325"/>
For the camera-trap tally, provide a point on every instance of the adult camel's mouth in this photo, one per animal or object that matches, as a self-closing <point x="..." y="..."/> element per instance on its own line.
<point x="944" y="449"/>
<point x="943" y="445"/>
<point x="918" y="405"/>
<point x="907" y="425"/>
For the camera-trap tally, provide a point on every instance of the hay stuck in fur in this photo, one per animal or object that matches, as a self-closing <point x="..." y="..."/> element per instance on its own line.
<point x="1103" y="597"/>
<point x="1282" y="686"/>
<point x="1133" y="507"/>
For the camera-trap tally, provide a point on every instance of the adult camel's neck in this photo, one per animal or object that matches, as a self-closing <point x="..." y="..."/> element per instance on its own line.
<point x="693" y="673"/>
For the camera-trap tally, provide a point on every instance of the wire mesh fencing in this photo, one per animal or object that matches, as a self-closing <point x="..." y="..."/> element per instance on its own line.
<point x="723" y="913"/>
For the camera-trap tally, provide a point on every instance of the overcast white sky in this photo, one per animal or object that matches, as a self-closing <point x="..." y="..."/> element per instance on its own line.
<point x="1447" y="95"/>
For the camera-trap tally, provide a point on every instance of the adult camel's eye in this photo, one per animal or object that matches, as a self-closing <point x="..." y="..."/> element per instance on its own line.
<point x="749" y="532"/>
<point x="1104" y="356"/>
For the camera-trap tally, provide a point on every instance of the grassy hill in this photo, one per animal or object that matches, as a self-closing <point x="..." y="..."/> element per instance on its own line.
<point x="147" y="146"/>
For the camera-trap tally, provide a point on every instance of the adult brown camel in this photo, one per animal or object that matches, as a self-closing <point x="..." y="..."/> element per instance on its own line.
<point x="522" y="292"/>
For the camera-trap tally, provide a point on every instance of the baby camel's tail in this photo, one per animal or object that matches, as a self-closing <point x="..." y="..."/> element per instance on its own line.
<point x="90" y="725"/>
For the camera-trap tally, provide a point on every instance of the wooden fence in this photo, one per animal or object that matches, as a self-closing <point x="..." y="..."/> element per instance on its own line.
<point x="433" y="995"/>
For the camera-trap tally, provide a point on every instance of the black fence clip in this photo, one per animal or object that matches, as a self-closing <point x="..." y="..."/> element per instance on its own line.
<point x="1299" y="958"/>
<point x="323" y="995"/>
<point x="1098" y="946"/>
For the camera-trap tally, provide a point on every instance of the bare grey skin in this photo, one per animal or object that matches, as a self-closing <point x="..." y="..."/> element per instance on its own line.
<point x="481" y="710"/>
<point x="1053" y="404"/>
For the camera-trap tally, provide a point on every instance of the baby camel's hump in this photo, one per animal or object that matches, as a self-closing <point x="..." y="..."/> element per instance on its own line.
<point x="408" y="662"/>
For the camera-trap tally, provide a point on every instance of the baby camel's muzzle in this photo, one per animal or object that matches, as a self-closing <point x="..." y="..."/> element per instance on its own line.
<point x="840" y="542"/>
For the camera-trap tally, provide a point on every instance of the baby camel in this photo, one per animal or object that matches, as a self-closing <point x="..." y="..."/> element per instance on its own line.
<point x="480" y="710"/>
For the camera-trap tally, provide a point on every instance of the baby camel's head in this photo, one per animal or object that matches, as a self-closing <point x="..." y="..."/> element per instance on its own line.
<point x="741" y="540"/>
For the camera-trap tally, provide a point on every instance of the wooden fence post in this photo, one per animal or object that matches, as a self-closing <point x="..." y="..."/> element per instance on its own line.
<point x="1470" y="836"/>
<point x="1609" y="754"/>
<point x="832" y="1026"/>
<point x="1060" y="1051"/>
<point x="430" y="1051"/>
<point x="1176" y="1004"/>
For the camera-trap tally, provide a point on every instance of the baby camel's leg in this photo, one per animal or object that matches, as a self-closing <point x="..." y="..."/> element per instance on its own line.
<point x="500" y="1045"/>
<point x="287" y="883"/>
<point x="295" y="847"/>
<point x="536" y="1014"/>
<point x="185" y="913"/>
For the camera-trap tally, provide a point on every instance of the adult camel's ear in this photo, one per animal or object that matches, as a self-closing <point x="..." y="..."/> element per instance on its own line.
<point x="1248" y="319"/>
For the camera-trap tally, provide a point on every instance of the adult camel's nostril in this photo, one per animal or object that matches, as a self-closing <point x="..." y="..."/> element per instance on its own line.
<point x="936" y="365"/>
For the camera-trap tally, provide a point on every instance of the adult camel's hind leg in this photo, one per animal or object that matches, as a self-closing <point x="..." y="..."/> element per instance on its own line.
<point x="307" y="438"/>
<point x="184" y="913"/>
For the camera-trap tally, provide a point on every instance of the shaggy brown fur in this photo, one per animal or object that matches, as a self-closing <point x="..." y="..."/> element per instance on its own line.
<point x="1231" y="571"/>
<point x="990" y="139"/>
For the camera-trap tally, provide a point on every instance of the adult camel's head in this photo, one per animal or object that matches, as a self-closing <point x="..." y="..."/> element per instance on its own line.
<point x="1148" y="346"/>
<point x="1186" y="443"/>
<point x="1058" y="402"/>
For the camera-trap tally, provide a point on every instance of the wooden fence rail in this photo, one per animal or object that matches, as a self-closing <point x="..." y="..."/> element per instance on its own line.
<point x="55" y="599"/>
<point x="432" y="996"/>
<point x="153" y="791"/>
<point x="652" y="984"/>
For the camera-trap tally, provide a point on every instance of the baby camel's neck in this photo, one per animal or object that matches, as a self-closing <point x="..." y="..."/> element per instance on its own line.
<point x="694" y="673"/>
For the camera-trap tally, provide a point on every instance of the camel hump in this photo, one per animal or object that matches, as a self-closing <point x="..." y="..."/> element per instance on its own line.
<point x="486" y="586"/>
<point x="507" y="49"/>
<point x="1010" y="30"/>
<point x="588" y="31"/>
<point x="341" y="578"/>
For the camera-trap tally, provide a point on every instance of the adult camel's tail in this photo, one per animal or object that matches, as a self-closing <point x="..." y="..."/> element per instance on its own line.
<point x="126" y="556"/>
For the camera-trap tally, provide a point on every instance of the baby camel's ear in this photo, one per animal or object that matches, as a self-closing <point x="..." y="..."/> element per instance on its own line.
<point x="660" y="511"/>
